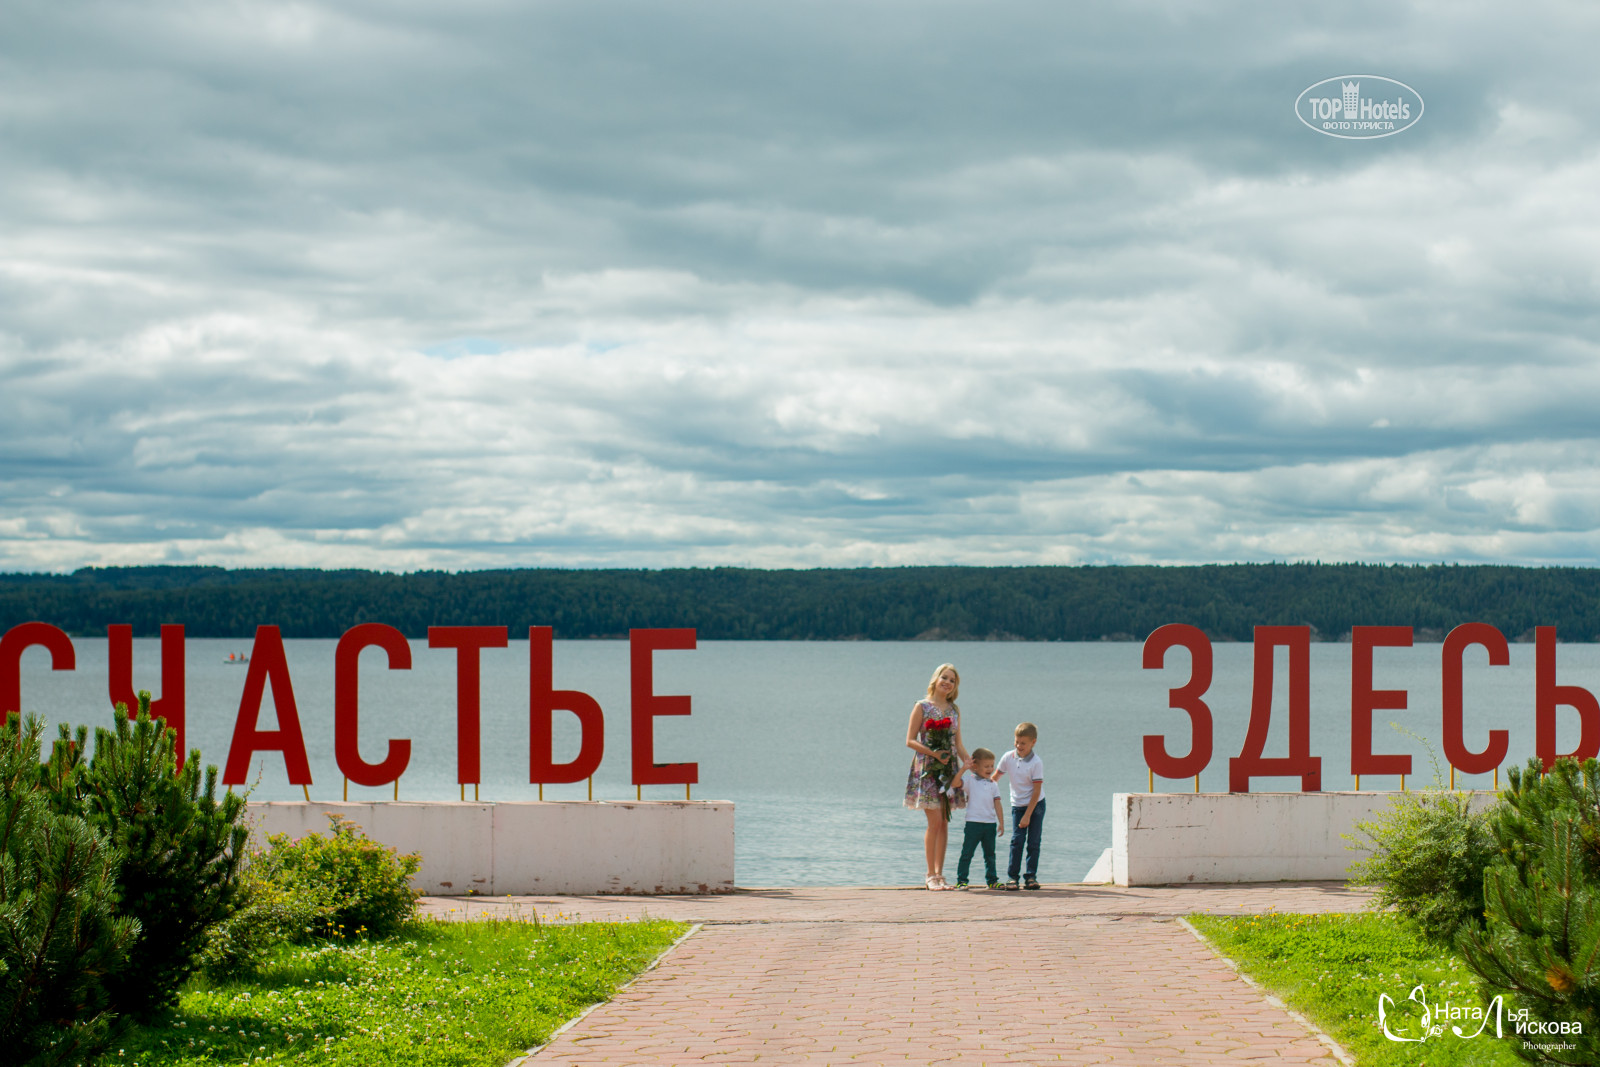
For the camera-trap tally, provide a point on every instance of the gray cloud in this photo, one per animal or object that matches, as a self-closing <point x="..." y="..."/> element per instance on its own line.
<point x="401" y="286"/>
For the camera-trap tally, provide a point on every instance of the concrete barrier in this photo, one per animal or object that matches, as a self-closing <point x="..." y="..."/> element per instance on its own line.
<point x="1165" y="838"/>
<point x="565" y="847"/>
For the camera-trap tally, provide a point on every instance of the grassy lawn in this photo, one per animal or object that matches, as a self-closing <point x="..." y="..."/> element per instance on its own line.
<point x="1332" y="969"/>
<point x="445" y="994"/>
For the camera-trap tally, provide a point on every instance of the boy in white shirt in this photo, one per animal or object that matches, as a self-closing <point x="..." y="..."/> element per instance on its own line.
<point x="984" y="817"/>
<point x="1026" y="772"/>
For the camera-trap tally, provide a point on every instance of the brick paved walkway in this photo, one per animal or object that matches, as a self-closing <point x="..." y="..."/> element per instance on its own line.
<point x="1076" y="974"/>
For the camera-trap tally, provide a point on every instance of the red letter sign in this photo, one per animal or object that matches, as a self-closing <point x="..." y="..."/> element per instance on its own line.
<point x="647" y="705"/>
<point x="543" y="701"/>
<point x="119" y="681"/>
<point x="1364" y="699"/>
<point x="20" y="637"/>
<point x="1455" y="747"/>
<point x="1250" y="763"/>
<point x="1549" y="696"/>
<point x="1187" y="698"/>
<point x="467" y="641"/>
<point x="267" y="663"/>
<point x="346" y="703"/>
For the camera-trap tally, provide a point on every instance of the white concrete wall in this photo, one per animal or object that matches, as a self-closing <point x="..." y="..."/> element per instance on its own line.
<point x="1162" y="838"/>
<point x="571" y="847"/>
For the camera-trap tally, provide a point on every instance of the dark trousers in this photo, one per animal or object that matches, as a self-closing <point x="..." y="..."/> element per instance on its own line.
<point x="976" y="834"/>
<point x="1029" y="835"/>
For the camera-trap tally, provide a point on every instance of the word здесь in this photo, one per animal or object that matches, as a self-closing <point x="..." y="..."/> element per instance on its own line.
<point x="1364" y="700"/>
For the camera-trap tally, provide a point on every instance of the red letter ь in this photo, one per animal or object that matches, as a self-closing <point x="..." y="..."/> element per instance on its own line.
<point x="647" y="705"/>
<point x="1364" y="699"/>
<point x="169" y="706"/>
<point x="346" y="703"/>
<point x="1187" y="697"/>
<point x="1549" y="696"/>
<point x="19" y="638"/>
<point x="267" y="664"/>
<point x="543" y="701"/>
<point x="1250" y="762"/>
<point x="1456" y="751"/>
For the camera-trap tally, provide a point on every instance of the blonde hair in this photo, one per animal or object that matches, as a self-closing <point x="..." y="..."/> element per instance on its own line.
<point x="980" y="754"/>
<point x="1027" y="729"/>
<point x="951" y="667"/>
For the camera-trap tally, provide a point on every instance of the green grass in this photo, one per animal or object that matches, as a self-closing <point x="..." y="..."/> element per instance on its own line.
<point x="1332" y="968"/>
<point x="444" y="994"/>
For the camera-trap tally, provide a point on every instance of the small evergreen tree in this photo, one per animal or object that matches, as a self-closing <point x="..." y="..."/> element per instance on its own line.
<point x="60" y="938"/>
<point x="1540" y="946"/>
<point x="180" y="847"/>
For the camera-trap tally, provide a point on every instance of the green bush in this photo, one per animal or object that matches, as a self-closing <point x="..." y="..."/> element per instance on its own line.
<point x="1540" y="946"/>
<point x="367" y="885"/>
<point x="1427" y="857"/>
<point x="179" y="847"/>
<point x="61" y="941"/>
<point x="268" y="914"/>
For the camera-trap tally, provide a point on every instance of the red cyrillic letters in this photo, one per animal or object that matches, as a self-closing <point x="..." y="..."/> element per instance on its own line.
<point x="346" y="703"/>
<point x="23" y="636"/>
<point x="467" y="641"/>
<point x="1456" y="751"/>
<point x="119" y="681"/>
<point x="1549" y="696"/>
<point x="647" y="705"/>
<point x="544" y="700"/>
<point x="1364" y="699"/>
<point x="1251" y="763"/>
<point x="267" y="663"/>
<point x="1184" y="698"/>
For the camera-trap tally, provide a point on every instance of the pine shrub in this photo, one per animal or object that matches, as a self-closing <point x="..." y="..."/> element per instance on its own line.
<point x="1427" y="856"/>
<point x="61" y="942"/>
<point x="180" y="847"/>
<point x="1540" y="946"/>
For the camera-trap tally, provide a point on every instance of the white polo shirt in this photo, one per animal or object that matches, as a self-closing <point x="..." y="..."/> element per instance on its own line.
<point x="1023" y="773"/>
<point x="981" y="795"/>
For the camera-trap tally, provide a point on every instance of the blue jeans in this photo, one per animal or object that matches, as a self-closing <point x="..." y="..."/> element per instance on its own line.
<point x="1028" y="835"/>
<point x="976" y="835"/>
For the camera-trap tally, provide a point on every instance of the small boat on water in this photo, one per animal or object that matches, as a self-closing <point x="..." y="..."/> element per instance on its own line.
<point x="240" y="658"/>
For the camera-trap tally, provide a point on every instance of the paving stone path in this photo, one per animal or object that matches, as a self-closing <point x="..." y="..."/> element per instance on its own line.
<point x="1076" y="974"/>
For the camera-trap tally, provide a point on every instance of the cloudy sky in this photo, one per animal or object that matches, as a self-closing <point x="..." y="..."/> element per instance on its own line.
<point x="400" y="284"/>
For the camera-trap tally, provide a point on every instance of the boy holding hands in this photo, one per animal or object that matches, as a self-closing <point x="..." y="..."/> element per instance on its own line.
<point x="1025" y="770"/>
<point x="984" y="817"/>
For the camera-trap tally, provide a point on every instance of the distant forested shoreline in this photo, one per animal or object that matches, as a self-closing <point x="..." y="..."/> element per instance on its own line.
<point x="879" y="604"/>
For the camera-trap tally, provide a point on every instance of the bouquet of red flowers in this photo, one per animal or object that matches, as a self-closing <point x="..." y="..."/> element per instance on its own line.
<point x="941" y="738"/>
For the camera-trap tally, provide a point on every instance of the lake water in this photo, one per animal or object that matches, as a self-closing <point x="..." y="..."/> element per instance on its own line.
<point x="807" y="738"/>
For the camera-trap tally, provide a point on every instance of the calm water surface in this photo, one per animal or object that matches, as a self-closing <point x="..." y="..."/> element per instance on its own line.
<point x="807" y="738"/>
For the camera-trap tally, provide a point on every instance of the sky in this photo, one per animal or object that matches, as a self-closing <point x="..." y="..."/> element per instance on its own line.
<point x="406" y="285"/>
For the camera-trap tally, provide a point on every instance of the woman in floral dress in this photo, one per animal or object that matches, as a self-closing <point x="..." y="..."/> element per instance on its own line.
<point x="923" y="792"/>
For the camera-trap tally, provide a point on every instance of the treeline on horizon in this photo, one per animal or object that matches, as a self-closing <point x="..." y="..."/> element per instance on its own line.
<point x="880" y="604"/>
